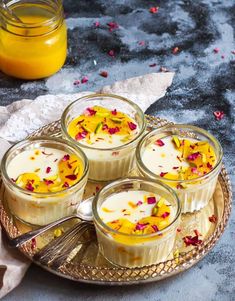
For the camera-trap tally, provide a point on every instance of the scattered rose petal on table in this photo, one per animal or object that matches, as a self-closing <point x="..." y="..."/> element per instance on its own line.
<point x="111" y="53"/>
<point x="84" y="80"/>
<point x="104" y="73"/>
<point x="175" y="50"/>
<point x="154" y="9"/>
<point x="141" y="43"/>
<point x="218" y="115"/>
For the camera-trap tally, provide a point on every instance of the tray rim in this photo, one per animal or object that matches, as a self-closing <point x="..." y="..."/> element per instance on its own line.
<point x="192" y="257"/>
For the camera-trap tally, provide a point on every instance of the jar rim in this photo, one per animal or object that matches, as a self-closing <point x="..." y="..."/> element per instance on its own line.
<point x="51" y="23"/>
<point x="119" y="182"/>
<point x="28" y="142"/>
<point x="196" y="129"/>
<point x="90" y="96"/>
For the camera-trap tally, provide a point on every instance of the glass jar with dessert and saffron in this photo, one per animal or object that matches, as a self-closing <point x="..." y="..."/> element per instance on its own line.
<point x="33" y="38"/>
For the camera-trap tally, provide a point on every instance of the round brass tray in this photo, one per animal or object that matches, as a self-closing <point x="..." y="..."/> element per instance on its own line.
<point x="87" y="265"/>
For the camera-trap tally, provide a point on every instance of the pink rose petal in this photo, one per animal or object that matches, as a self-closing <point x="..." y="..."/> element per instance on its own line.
<point x="159" y="142"/>
<point x="132" y="126"/>
<point x="140" y="226"/>
<point x="84" y="80"/>
<point x="66" y="157"/>
<point x="48" y="169"/>
<point x="219" y="115"/>
<point x="151" y="200"/>
<point x="71" y="177"/>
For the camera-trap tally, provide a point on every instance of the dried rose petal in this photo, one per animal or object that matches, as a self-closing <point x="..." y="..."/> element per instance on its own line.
<point x="140" y="226"/>
<point x="76" y="82"/>
<point x="81" y="135"/>
<point x="213" y="219"/>
<point x="175" y="50"/>
<point x="175" y="167"/>
<point x="89" y="112"/>
<point x="114" y="112"/>
<point x="97" y="188"/>
<point x="222" y="56"/>
<point x="153" y="65"/>
<point x="155" y="228"/>
<point x="139" y="203"/>
<point x="209" y="165"/>
<point x="151" y="200"/>
<point x="162" y="174"/>
<point x="165" y="214"/>
<point x="216" y="50"/>
<point x="141" y="43"/>
<point x="111" y="53"/>
<point x="159" y="142"/>
<point x="132" y="126"/>
<point x="97" y="24"/>
<point x="48" y="182"/>
<point x="66" y="157"/>
<point x="66" y="185"/>
<point x="153" y="9"/>
<point x="194" y="241"/>
<point x="104" y="73"/>
<point x="113" y="131"/>
<point x="29" y="186"/>
<point x="71" y="177"/>
<point x="193" y="156"/>
<point x="218" y="115"/>
<point x="84" y="80"/>
<point x="178" y="230"/>
<point x="48" y="169"/>
<point x="194" y="170"/>
<point x="112" y="26"/>
<point x="105" y="127"/>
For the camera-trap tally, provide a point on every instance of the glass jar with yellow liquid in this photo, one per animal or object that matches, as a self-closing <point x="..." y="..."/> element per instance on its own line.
<point x="33" y="38"/>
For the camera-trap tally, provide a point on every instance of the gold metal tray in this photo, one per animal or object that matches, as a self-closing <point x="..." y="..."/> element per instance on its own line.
<point x="85" y="264"/>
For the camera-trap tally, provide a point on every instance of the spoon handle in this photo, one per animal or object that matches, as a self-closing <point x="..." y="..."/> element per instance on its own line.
<point x="21" y="239"/>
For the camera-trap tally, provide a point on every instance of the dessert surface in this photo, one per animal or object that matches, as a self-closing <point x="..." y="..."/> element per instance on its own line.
<point x="45" y="170"/>
<point x="103" y="128"/>
<point x="136" y="212"/>
<point x="179" y="159"/>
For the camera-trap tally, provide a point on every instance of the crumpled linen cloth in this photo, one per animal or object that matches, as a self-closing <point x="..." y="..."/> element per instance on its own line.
<point x="25" y="116"/>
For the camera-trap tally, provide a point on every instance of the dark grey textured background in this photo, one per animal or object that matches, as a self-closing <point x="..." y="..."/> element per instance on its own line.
<point x="204" y="82"/>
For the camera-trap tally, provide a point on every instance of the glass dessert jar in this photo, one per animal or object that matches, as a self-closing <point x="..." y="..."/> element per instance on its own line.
<point x="44" y="179"/>
<point x="185" y="157"/>
<point x="33" y="44"/>
<point x="136" y="221"/>
<point x="108" y="129"/>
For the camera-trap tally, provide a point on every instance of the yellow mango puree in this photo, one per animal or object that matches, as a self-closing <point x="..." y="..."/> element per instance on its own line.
<point x="32" y="52"/>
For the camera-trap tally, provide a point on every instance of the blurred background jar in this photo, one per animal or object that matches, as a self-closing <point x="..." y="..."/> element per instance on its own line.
<point x="33" y="38"/>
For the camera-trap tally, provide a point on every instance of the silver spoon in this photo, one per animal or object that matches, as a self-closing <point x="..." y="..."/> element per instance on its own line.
<point x="84" y="213"/>
<point x="10" y="12"/>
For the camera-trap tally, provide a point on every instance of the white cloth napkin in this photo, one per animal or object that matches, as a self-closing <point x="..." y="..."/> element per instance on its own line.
<point x="23" y="117"/>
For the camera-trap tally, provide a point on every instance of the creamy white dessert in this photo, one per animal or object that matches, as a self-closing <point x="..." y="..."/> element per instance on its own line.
<point x="105" y="133"/>
<point x="182" y="161"/>
<point x="48" y="179"/>
<point x="138" y="219"/>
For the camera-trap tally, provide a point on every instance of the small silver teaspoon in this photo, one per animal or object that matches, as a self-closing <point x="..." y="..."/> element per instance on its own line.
<point x="84" y="213"/>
